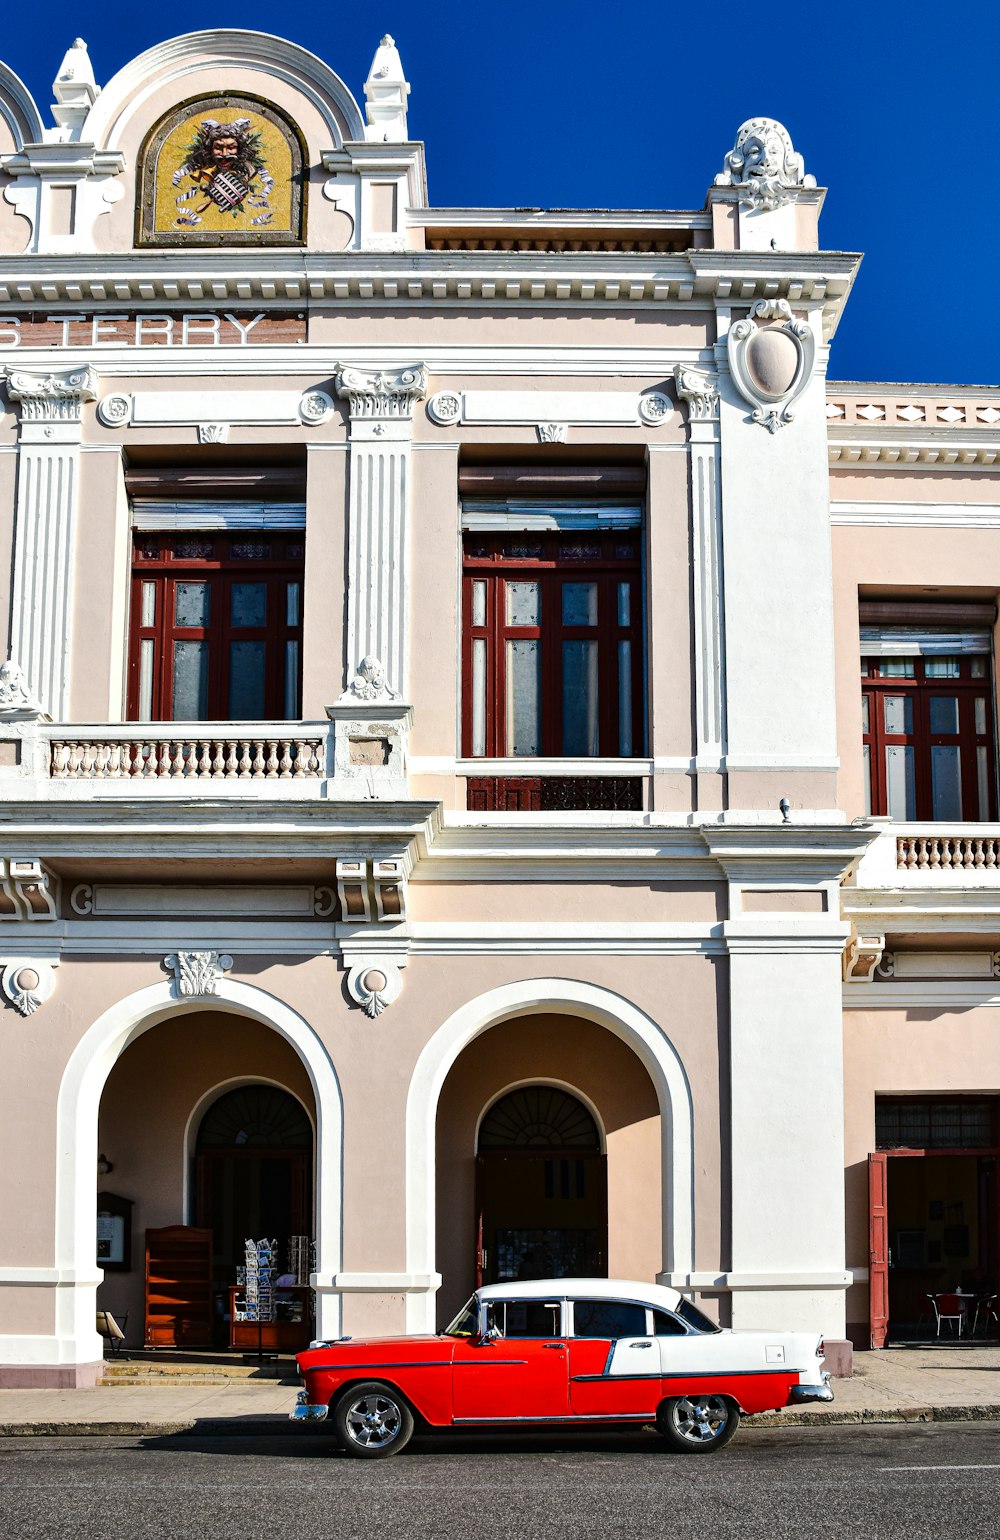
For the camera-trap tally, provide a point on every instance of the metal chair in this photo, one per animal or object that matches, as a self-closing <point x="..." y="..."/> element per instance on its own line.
<point x="948" y="1307"/>
<point x="987" y="1308"/>
<point x="112" y="1330"/>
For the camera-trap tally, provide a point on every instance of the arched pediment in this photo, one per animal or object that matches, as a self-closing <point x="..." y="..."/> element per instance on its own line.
<point x="18" y="114"/>
<point x="277" y="68"/>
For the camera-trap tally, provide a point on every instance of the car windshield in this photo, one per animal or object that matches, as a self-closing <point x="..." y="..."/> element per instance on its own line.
<point x="466" y="1322"/>
<point x="694" y="1318"/>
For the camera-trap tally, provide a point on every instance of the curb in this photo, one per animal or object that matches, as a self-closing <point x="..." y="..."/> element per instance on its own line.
<point x="269" y="1427"/>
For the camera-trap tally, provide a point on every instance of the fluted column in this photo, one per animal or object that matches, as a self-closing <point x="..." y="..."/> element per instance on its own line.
<point x="381" y="403"/>
<point x="700" y="391"/>
<point x="45" y="526"/>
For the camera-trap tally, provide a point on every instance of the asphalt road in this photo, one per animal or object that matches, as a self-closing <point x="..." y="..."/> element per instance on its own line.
<point x="875" y="1482"/>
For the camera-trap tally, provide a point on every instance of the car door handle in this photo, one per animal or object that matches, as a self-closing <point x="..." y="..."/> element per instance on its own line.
<point x="555" y="1347"/>
<point x="640" y="1344"/>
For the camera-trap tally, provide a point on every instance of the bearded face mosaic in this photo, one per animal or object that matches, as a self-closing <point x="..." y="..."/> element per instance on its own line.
<point x="225" y="170"/>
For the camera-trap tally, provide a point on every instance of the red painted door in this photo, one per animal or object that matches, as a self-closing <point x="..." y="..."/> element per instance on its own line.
<point x="878" y="1248"/>
<point x="512" y="1379"/>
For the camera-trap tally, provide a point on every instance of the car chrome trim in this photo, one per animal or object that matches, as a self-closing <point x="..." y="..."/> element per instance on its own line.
<point x="489" y="1363"/>
<point x="805" y="1393"/>
<point x="392" y="1363"/>
<point x="570" y="1417"/>
<point x="305" y="1410"/>
<point x="688" y="1374"/>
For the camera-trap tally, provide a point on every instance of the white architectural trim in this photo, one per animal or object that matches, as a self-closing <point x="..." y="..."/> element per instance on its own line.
<point x="923" y="994"/>
<point x="918" y="515"/>
<point x="75" y="1340"/>
<point x="564" y="997"/>
<point x="488" y="408"/>
<point x="220" y="50"/>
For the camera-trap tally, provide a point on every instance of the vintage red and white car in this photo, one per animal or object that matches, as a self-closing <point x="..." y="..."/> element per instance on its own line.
<point x="561" y="1352"/>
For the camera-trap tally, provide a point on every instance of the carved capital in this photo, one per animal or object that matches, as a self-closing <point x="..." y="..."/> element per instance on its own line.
<point x="700" y="390"/>
<point x="18" y="702"/>
<point x="381" y="393"/>
<point x="52" y="395"/>
<point x="764" y="166"/>
<point x="197" y="973"/>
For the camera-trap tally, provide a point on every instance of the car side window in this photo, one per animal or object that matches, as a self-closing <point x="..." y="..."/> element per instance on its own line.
<point x="527" y="1317"/>
<point x="608" y="1318"/>
<point x="667" y="1325"/>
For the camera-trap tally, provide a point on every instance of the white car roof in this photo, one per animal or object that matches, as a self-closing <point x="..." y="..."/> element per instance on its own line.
<point x="652" y="1294"/>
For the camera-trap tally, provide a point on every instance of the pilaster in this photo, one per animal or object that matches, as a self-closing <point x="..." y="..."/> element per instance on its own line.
<point x="45" y="526"/>
<point x="381" y="406"/>
<point x="700" y="390"/>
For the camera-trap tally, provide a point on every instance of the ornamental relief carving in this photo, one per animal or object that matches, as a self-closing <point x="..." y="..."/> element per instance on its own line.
<point x="197" y="973"/>
<point x="764" y="165"/>
<point x="771" y="358"/>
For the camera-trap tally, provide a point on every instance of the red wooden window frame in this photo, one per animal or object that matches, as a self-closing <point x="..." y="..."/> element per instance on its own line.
<point x="221" y="560"/>
<point x="877" y="683"/>
<point x="550" y="559"/>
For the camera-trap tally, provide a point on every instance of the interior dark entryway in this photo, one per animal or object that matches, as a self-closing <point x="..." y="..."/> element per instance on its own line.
<point x="542" y="1189"/>
<point x="934" y="1214"/>
<point x="253" y="1160"/>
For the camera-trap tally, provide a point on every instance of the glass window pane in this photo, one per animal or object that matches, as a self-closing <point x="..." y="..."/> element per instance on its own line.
<point x="625" y="698"/>
<point x="864" y="713"/>
<point x="148" y="613"/>
<point x="523" y="696"/>
<point x="246" y="680"/>
<point x="248" y="604"/>
<point x="524" y="604"/>
<point x="192" y="604"/>
<point x="866" y="755"/>
<point x="898" y="713"/>
<point x="479" y="603"/>
<point x="897" y="668"/>
<point x="899" y="782"/>
<point x="579" y="682"/>
<point x="943" y="713"/>
<point x="291" y="679"/>
<point x="977" y="668"/>
<point x="146" y="680"/>
<point x="479" y="694"/>
<point x="980" y="714"/>
<point x="624" y="604"/>
<point x="946" y="781"/>
<point x="579" y="604"/>
<point x="983" y="779"/>
<point x="942" y="668"/>
<point x="293" y="596"/>
<point x="190" y="697"/>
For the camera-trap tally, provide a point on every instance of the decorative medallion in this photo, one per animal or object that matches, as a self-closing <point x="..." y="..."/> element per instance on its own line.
<point x="220" y="171"/>
<point x="27" y="982"/>
<point x="771" y="357"/>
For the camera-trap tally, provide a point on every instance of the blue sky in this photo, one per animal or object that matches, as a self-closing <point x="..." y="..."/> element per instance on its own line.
<point x="894" y="108"/>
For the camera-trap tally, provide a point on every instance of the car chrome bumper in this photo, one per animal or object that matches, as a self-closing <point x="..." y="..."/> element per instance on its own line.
<point x="821" y="1392"/>
<point x="305" y="1410"/>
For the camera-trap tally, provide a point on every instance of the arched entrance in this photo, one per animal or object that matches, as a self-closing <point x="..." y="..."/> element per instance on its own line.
<point x="253" y="1172"/>
<point x="83" y="1081"/>
<point x="541" y="1188"/>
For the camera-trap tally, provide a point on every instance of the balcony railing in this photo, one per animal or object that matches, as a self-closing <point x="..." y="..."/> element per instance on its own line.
<point x="936" y="854"/>
<point x="164" y="754"/>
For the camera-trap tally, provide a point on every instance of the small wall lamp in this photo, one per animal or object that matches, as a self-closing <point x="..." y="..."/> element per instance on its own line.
<point x="104" y="1165"/>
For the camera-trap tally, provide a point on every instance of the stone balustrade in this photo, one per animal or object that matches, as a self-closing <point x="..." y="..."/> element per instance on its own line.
<point x="165" y="754"/>
<point x="944" y="852"/>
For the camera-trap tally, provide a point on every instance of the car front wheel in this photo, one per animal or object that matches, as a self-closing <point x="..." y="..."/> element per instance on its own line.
<point x="372" y="1421"/>
<point x="698" y="1424"/>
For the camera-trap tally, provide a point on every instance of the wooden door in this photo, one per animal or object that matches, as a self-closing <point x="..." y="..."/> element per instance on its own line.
<point x="878" y="1248"/>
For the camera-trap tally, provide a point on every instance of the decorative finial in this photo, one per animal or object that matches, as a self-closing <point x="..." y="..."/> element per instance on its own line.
<point x="386" y="90"/>
<point x="785" y="808"/>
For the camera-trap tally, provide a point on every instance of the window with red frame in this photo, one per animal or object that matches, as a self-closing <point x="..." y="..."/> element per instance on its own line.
<point x="928" y="734"/>
<point x="552" y="644"/>
<point x="216" y="627"/>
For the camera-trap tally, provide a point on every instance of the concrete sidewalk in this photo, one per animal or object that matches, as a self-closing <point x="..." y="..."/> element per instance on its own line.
<point x="922" y="1384"/>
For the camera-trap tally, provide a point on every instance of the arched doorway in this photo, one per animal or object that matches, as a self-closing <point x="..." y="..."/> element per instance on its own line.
<point x="541" y="1188"/>
<point x="253" y="1172"/>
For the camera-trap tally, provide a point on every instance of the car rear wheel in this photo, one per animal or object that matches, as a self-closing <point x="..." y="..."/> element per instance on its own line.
<point x="698" y="1424"/>
<point x="373" y="1421"/>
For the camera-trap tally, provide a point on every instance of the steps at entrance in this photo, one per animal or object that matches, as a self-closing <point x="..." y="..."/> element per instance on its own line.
<point x="193" y="1371"/>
